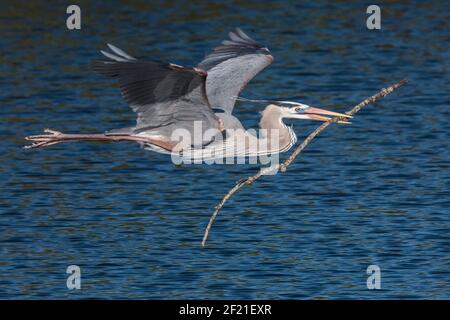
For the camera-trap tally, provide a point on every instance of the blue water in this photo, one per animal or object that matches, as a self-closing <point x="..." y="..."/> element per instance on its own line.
<point x="376" y="192"/>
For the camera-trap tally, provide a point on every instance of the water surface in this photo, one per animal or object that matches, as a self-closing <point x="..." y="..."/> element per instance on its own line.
<point x="376" y="192"/>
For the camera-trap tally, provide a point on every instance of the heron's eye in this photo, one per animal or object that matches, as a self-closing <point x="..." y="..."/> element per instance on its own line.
<point x="298" y="109"/>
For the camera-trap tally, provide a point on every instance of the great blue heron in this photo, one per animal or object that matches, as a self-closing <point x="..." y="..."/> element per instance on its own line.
<point x="198" y="101"/>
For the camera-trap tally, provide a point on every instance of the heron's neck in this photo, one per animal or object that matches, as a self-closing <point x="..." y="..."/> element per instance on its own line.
<point x="272" y="121"/>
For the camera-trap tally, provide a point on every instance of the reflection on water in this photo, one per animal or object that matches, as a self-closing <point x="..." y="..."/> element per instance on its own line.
<point x="375" y="192"/>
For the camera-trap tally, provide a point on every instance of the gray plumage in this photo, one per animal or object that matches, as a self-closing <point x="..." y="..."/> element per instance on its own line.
<point x="167" y="97"/>
<point x="231" y="66"/>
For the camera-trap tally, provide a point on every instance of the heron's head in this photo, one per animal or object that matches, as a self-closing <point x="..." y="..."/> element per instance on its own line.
<point x="296" y="110"/>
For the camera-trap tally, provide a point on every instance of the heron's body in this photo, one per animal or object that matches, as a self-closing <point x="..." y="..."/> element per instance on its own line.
<point x="274" y="137"/>
<point x="175" y="105"/>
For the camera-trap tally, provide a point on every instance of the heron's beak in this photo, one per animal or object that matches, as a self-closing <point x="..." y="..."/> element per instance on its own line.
<point x="315" y="114"/>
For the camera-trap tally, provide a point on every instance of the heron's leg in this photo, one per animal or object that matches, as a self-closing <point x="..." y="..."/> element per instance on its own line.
<point x="53" y="137"/>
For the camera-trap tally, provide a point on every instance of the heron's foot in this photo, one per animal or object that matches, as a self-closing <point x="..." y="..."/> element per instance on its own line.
<point x="44" y="140"/>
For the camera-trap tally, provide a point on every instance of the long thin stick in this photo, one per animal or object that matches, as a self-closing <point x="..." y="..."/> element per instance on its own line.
<point x="283" y="167"/>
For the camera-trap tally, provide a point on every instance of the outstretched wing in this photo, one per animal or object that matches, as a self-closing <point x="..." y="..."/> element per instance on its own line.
<point x="165" y="96"/>
<point x="231" y="66"/>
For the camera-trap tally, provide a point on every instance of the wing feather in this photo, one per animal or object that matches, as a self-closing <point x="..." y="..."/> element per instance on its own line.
<point x="231" y="66"/>
<point x="120" y="52"/>
<point x="165" y="96"/>
<point x="113" y="56"/>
